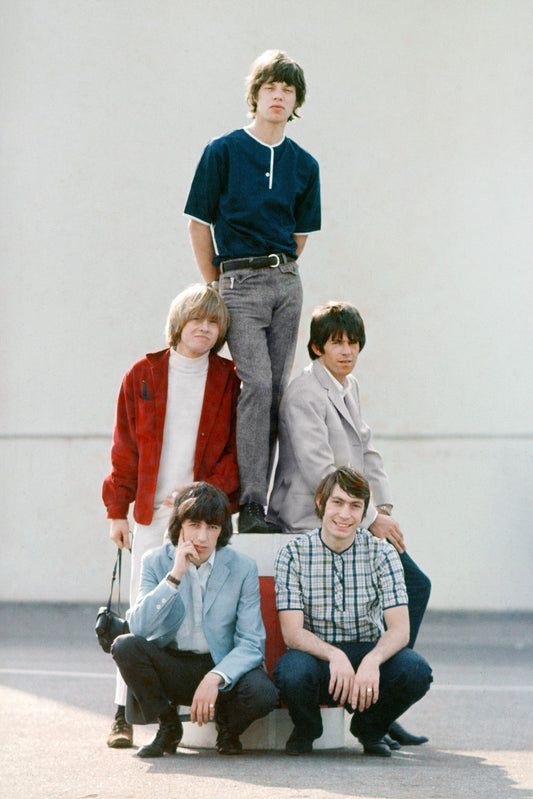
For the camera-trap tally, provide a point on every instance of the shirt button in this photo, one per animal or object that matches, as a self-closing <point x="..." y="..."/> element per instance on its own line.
<point x="267" y="174"/>
<point x="158" y="607"/>
<point x="164" y="600"/>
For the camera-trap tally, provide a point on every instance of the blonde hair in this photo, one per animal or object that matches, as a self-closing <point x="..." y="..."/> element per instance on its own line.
<point x="196" y="301"/>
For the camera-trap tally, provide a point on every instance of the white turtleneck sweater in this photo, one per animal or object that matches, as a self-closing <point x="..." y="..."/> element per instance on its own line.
<point x="186" y="387"/>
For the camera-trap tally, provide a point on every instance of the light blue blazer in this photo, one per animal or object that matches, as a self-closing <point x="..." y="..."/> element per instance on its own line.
<point x="232" y="621"/>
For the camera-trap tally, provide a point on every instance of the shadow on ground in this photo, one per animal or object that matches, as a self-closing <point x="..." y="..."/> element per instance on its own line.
<point x="57" y="685"/>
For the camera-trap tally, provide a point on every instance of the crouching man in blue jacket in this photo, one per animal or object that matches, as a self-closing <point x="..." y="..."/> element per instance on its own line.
<point x="197" y="637"/>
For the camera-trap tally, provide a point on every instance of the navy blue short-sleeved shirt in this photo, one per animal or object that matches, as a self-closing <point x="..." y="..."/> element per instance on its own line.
<point x="254" y="195"/>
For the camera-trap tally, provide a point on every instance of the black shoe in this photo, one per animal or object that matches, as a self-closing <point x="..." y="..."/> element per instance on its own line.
<point x="393" y="745"/>
<point x="228" y="743"/>
<point x="252" y="519"/>
<point x="404" y="738"/>
<point x="166" y="740"/>
<point x="298" y="745"/>
<point x="376" y="748"/>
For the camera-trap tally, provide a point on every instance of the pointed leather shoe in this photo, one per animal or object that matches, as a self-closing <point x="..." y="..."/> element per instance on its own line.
<point x="228" y="743"/>
<point x="377" y="749"/>
<point x="404" y="738"/>
<point x="393" y="745"/>
<point x="297" y="744"/>
<point x="252" y="519"/>
<point x="166" y="741"/>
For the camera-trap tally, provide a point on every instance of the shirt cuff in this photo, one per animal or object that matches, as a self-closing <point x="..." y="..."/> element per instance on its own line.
<point x="226" y="683"/>
<point x="370" y="517"/>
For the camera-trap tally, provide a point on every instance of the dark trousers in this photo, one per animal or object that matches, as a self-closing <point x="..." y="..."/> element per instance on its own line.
<point x="157" y="677"/>
<point x="418" y="591"/>
<point x="303" y="682"/>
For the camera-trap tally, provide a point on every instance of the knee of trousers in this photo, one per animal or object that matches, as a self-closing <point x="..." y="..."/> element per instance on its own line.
<point x="125" y="647"/>
<point x="257" y="692"/>
<point x="297" y="671"/>
<point x="266" y="696"/>
<point x="409" y="675"/>
<point x="257" y="388"/>
<point x="423" y="677"/>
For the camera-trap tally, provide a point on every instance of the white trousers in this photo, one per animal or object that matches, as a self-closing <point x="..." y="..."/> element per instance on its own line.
<point x="145" y="537"/>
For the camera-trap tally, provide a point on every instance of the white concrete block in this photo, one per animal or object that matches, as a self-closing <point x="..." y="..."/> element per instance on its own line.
<point x="270" y="732"/>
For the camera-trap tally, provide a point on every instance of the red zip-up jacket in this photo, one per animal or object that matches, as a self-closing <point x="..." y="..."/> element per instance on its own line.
<point x="138" y="436"/>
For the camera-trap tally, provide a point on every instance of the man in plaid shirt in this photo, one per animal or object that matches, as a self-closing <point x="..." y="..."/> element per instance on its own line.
<point x="342" y="607"/>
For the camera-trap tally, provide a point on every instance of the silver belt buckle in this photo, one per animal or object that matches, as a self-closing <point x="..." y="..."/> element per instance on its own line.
<point x="276" y="256"/>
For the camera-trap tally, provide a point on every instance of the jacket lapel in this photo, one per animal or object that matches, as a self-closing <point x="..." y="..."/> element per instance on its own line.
<point x="171" y="551"/>
<point x="325" y="381"/>
<point x="160" y="378"/>
<point x="217" y="578"/>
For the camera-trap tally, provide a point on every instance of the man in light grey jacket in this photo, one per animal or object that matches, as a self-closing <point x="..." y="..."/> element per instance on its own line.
<point x="320" y="430"/>
<point x="197" y="636"/>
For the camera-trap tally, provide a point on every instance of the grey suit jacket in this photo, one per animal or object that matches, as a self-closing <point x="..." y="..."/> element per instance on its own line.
<point x="232" y="621"/>
<point x="317" y="434"/>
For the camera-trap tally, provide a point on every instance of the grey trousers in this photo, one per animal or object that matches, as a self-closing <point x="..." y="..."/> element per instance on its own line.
<point x="264" y="307"/>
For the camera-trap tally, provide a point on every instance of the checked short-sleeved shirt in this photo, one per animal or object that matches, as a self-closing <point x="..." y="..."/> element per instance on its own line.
<point x="342" y="595"/>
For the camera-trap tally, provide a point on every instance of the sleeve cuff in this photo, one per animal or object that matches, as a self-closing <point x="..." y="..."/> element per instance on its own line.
<point x="370" y="517"/>
<point x="227" y="682"/>
<point x="200" y="221"/>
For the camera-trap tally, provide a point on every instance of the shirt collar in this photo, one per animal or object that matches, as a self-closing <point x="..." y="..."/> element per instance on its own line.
<point x="333" y="551"/>
<point x="182" y="363"/>
<point x="270" y="146"/>
<point x="342" y="389"/>
<point x="210" y="562"/>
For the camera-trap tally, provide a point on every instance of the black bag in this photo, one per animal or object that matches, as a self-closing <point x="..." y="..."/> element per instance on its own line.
<point x="109" y="624"/>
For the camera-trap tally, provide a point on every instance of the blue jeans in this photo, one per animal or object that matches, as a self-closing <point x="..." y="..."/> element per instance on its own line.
<point x="264" y="307"/>
<point x="303" y="683"/>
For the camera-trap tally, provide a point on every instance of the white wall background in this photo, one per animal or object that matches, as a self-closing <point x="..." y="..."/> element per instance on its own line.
<point x="420" y="113"/>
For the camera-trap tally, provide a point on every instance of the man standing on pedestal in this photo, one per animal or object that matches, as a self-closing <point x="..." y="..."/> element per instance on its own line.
<point x="254" y="199"/>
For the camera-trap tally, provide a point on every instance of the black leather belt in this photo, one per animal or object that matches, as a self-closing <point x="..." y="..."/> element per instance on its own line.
<point x="257" y="262"/>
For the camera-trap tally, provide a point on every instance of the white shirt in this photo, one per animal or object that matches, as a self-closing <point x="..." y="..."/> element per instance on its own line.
<point x="190" y="636"/>
<point x="345" y="388"/>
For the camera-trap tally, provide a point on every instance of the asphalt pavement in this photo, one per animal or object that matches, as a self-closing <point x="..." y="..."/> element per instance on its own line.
<point x="56" y="707"/>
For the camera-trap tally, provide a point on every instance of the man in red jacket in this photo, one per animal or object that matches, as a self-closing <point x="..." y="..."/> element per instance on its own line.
<point x="174" y="424"/>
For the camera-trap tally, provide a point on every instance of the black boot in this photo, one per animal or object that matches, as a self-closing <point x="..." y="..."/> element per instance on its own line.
<point x="167" y="740"/>
<point x="227" y="739"/>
